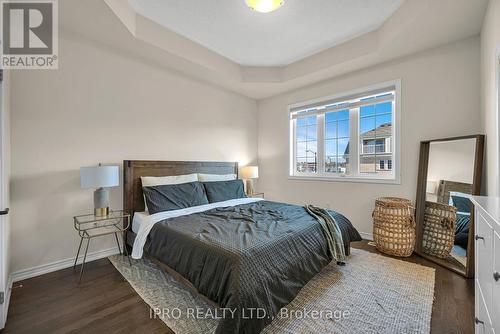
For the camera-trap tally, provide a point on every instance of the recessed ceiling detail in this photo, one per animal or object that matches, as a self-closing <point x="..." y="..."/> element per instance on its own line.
<point x="295" y="31"/>
<point x="416" y="26"/>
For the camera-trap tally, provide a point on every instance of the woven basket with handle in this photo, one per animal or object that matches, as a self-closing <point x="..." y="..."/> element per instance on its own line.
<point x="394" y="226"/>
<point x="438" y="234"/>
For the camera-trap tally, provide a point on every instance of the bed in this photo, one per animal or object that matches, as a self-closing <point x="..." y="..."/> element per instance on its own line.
<point x="249" y="256"/>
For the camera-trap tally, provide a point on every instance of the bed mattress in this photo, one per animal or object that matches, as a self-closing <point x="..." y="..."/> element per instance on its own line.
<point x="245" y="257"/>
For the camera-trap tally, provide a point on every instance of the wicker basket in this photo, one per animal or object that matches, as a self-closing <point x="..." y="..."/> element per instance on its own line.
<point x="394" y="226"/>
<point x="438" y="233"/>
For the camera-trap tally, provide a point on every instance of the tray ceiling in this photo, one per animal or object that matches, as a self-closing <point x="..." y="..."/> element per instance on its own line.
<point x="299" y="29"/>
<point x="416" y="26"/>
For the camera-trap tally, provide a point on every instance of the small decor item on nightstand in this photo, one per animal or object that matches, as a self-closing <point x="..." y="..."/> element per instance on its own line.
<point x="248" y="173"/>
<point x="394" y="226"/>
<point x="438" y="234"/>
<point x="100" y="177"/>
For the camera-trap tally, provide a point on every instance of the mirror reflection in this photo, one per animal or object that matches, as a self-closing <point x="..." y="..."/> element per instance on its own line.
<point x="448" y="207"/>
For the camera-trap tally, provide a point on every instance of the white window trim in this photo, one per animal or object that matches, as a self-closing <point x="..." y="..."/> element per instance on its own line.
<point x="354" y="149"/>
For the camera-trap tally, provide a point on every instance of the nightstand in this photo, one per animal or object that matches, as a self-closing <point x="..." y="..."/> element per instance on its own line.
<point x="256" y="195"/>
<point x="91" y="226"/>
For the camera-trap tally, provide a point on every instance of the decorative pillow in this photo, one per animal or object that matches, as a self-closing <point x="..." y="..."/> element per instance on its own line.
<point x="462" y="223"/>
<point x="462" y="231"/>
<point x="168" y="197"/>
<point x="463" y="204"/>
<point x="219" y="191"/>
<point x="216" y="177"/>
<point x="149" y="181"/>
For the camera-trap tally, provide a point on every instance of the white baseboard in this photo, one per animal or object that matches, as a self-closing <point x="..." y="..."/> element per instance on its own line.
<point x="61" y="264"/>
<point x="366" y="236"/>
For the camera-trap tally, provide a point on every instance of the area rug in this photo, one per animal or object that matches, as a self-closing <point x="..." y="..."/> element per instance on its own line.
<point x="371" y="294"/>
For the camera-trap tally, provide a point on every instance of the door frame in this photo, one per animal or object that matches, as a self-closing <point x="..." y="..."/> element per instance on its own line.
<point x="497" y="108"/>
<point x="3" y="231"/>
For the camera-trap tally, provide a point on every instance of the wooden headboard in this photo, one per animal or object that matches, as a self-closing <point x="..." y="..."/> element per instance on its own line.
<point x="133" y="200"/>
<point x="445" y="186"/>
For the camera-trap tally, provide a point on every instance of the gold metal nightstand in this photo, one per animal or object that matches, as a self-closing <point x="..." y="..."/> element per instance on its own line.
<point x="91" y="226"/>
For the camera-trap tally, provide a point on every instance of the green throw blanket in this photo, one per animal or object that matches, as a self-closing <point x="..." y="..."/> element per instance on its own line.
<point x="331" y="230"/>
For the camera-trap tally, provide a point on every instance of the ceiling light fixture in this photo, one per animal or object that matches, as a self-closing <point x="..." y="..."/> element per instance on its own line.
<point x="264" y="6"/>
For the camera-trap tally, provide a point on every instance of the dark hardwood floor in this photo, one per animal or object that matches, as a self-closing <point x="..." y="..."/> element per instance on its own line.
<point x="106" y="303"/>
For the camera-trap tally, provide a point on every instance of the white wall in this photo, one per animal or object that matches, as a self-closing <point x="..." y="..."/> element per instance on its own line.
<point x="102" y="106"/>
<point x="440" y="98"/>
<point x="490" y="49"/>
<point x="452" y="161"/>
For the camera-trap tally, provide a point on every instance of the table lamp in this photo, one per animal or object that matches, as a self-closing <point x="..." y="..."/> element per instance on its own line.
<point x="248" y="173"/>
<point x="99" y="178"/>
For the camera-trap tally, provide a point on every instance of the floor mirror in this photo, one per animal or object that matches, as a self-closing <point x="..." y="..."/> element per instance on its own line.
<point x="450" y="172"/>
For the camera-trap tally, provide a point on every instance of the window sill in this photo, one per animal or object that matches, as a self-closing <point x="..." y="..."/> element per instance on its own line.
<point x="358" y="179"/>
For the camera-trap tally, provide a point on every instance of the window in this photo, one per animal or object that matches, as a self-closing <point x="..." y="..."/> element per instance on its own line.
<point x="337" y="142"/>
<point x="350" y="137"/>
<point x="307" y="144"/>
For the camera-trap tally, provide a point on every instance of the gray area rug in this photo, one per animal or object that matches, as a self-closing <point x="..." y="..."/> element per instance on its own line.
<point x="371" y="294"/>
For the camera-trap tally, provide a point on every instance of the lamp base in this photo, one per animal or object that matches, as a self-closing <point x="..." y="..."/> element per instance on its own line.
<point x="249" y="187"/>
<point x="101" y="212"/>
<point x="101" y="202"/>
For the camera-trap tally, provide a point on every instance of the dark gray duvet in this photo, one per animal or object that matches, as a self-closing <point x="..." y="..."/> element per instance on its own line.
<point x="248" y="256"/>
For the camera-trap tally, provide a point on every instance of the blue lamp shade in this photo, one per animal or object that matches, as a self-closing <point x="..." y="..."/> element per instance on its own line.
<point x="99" y="177"/>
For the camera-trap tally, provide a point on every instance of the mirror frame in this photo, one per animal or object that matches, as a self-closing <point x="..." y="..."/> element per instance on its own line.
<point x="421" y="198"/>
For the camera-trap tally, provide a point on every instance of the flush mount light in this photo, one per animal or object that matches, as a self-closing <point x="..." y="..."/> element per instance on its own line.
<point x="264" y="6"/>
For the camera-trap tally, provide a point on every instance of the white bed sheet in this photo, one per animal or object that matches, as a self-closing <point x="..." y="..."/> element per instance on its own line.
<point x="142" y="223"/>
<point x="139" y="217"/>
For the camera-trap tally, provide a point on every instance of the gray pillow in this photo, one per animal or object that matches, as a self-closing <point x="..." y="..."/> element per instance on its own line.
<point x="219" y="191"/>
<point x="174" y="196"/>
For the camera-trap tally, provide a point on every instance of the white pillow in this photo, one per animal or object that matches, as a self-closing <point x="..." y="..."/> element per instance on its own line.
<point x="216" y="177"/>
<point x="151" y="181"/>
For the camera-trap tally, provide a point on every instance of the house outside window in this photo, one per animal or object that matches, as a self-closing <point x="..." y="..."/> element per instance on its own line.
<point x="349" y="137"/>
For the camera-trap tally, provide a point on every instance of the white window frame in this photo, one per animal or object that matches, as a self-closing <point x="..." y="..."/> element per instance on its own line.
<point x="354" y="150"/>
